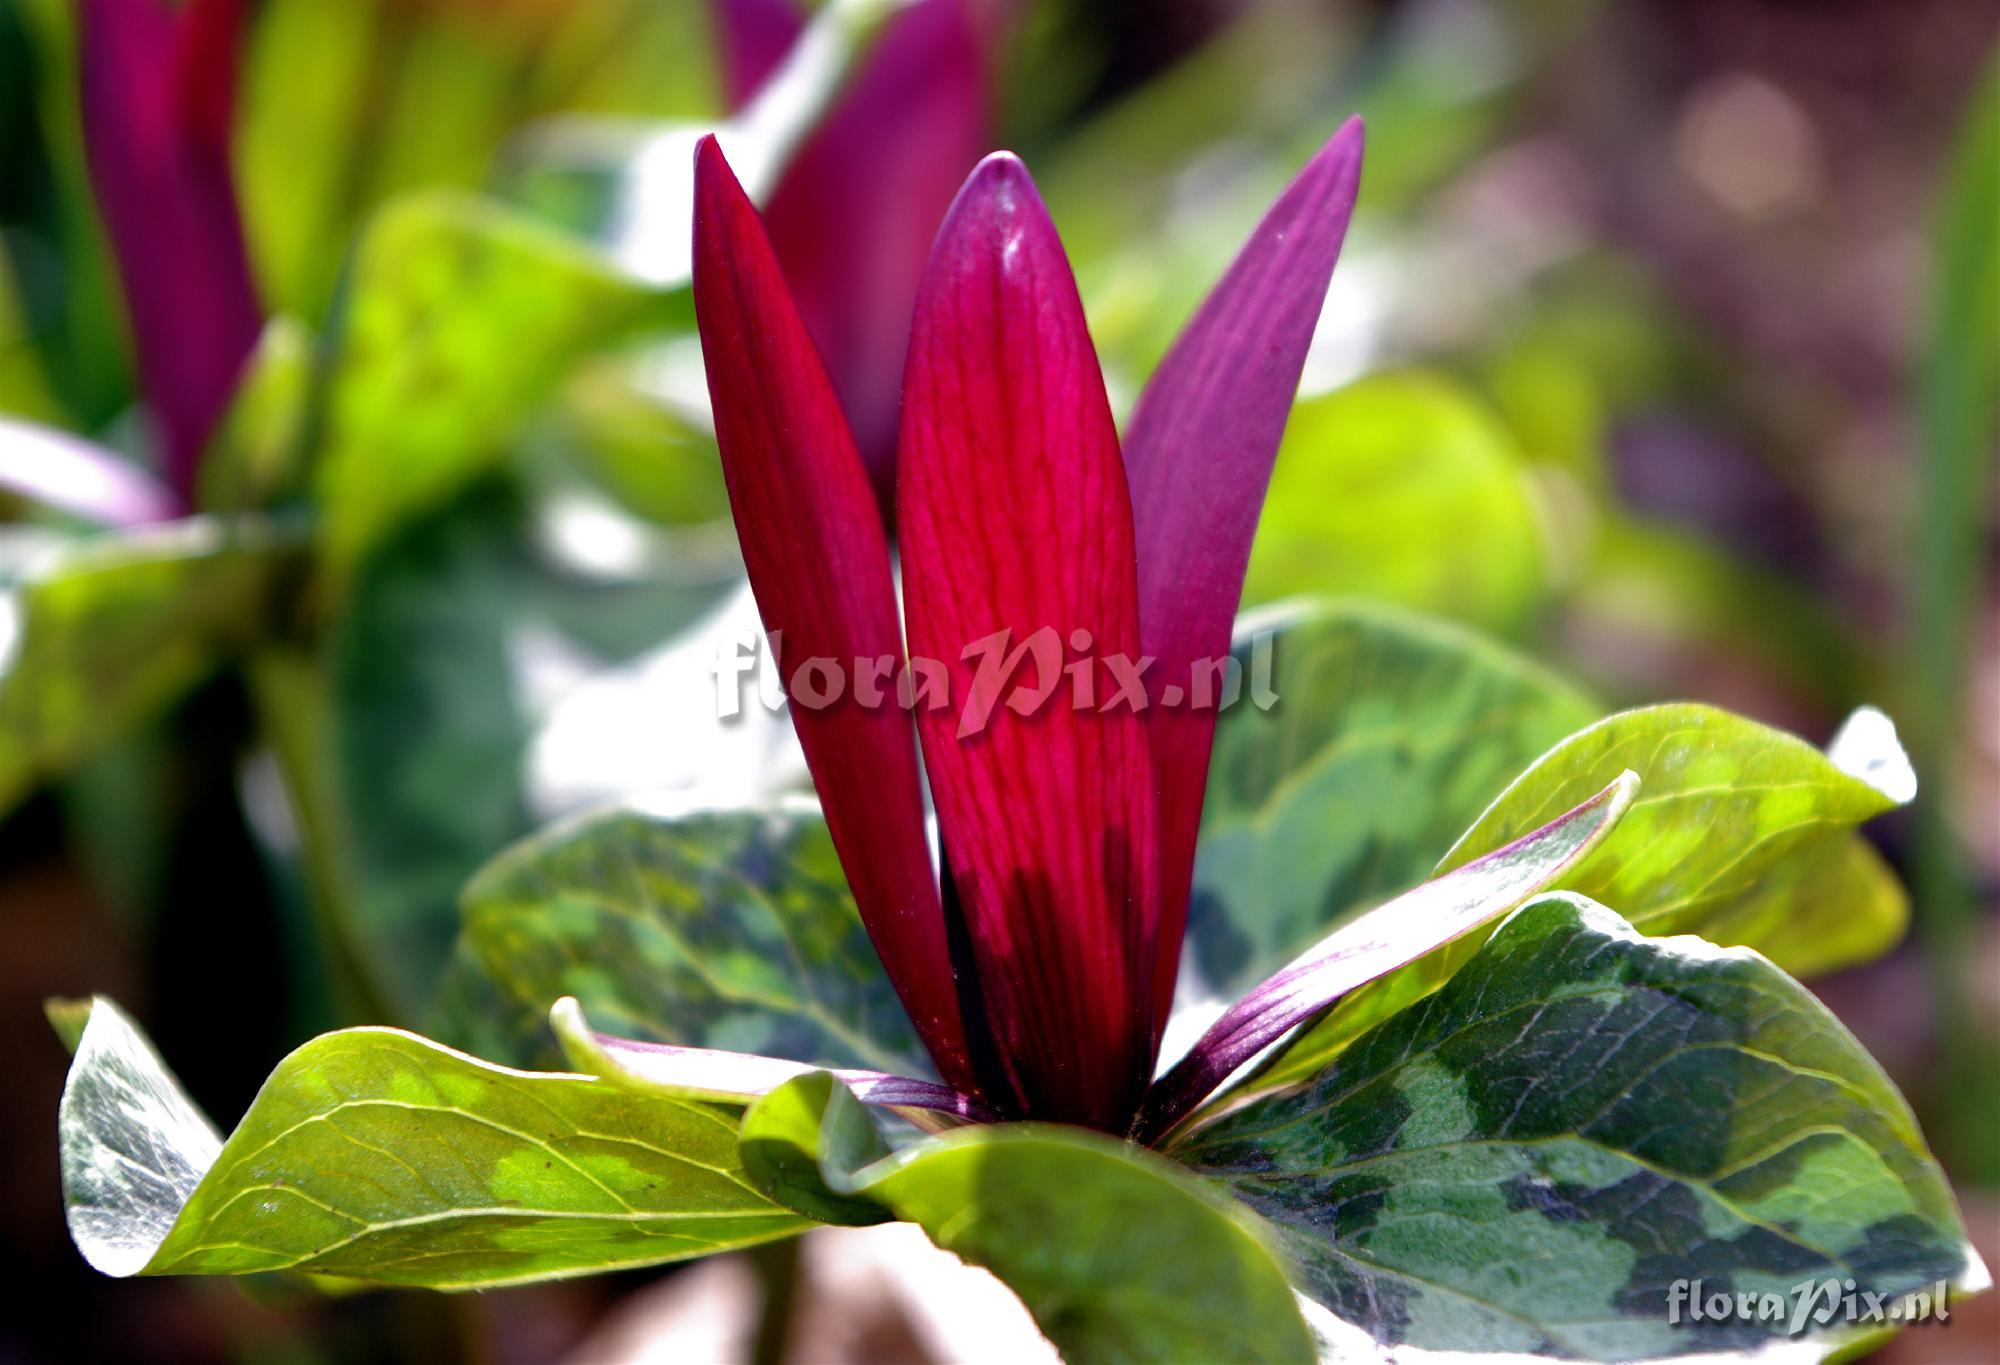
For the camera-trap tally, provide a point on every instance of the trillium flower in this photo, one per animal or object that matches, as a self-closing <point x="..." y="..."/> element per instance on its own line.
<point x="1038" y="963"/>
<point x="157" y="89"/>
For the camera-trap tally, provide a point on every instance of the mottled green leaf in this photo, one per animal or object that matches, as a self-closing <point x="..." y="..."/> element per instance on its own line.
<point x="1117" y="1254"/>
<point x="460" y="317"/>
<point x="1528" y="1159"/>
<point x="728" y="929"/>
<point x="373" y="1154"/>
<point x="1390" y="734"/>
<point x="98" y="634"/>
<point x="1741" y="833"/>
<point x="1401" y="487"/>
<point x="1450" y="905"/>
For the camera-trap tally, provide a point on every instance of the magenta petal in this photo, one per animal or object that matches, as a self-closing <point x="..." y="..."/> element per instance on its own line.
<point x="61" y="471"/>
<point x="819" y="565"/>
<point x="753" y="36"/>
<point x="156" y="91"/>
<point x="1015" y="518"/>
<point x="1377" y="943"/>
<point x="853" y="217"/>
<point x="1199" y="451"/>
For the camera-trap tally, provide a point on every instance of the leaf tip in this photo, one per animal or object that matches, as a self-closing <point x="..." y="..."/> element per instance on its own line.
<point x="574" y="1037"/>
<point x="1867" y="748"/>
<point x="68" y="1016"/>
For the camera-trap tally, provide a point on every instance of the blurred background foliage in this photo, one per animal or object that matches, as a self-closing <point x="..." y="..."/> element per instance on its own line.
<point x="1665" y="345"/>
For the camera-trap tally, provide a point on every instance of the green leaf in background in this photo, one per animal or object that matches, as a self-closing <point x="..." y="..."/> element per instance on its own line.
<point x="725" y="929"/>
<point x="100" y="633"/>
<point x="24" y="386"/>
<point x="376" y="1155"/>
<point x="345" y="105"/>
<point x="655" y="462"/>
<point x="459" y="318"/>
<point x="254" y="457"/>
<point x="429" y="692"/>
<point x="1117" y="1254"/>
<point x="1390" y="734"/>
<point x="1958" y="408"/>
<point x="1401" y="487"/>
<point x="1530" y="1158"/>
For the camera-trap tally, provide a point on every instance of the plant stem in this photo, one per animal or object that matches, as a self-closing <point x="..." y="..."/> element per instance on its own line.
<point x="778" y="1271"/>
<point x="295" y="715"/>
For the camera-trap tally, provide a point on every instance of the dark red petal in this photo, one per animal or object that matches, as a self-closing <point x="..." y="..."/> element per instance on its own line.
<point x="155" y="98"/>
<point x="854" y="215"/>
<point x="754" y="36"/>
<point x="1199" y="452"/>
<point x="1442" y="909"/>
<point x="1014" y="515"/>
<point x="819" y="565"/>
<point x="207" y="55"/>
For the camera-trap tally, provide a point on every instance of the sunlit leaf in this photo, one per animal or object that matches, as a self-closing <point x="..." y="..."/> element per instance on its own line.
<point x="1741" y="834"/>
<point x="459" y="317"/>
<point x="1390" y="734"/>
<point x="1118" y="1255"/>
<point x="1528" y="1160"/>
<point x="727" y="929"/>
<point x="1401" y="487"/>
<point x="376" y="1155"/>
<point x="101" y="633"/>
<point x="323" y="82"/>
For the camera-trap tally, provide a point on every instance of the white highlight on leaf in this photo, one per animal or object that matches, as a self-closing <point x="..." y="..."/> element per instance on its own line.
<point x="134" y="1146"/>
<point x="650" y="726"/>
<point x="1866" y="748"/>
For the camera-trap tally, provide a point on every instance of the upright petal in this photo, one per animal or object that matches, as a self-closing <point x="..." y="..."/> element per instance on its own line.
<point x="854" y="214"/>
<point x="1199" y="451"/>
<point x="753" y="36"/>
<point x="819" y="565"/>
<point x="1015" y="518"/>
<point x="156" y="93"/>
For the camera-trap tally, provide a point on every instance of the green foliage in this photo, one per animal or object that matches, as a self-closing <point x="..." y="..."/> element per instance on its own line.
<point x="657" y="463"/>
<point x="254" y="458"/>
<point x="102" y="633"/>
<point x="1401" y="487"/>
<point x="345" y="106"/>
<point x="1118" y="1255"/>
<point x="1528" y="1159"/>
<point x="1958" y="406"/>
<point x="459" y="318"/>
<point x="1741" y="833"/>
<point x="725" y="929"/>
<point x="1727" y="801"/>
<point x="1390" y="734"/>
<point x="372" y="1154"/>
